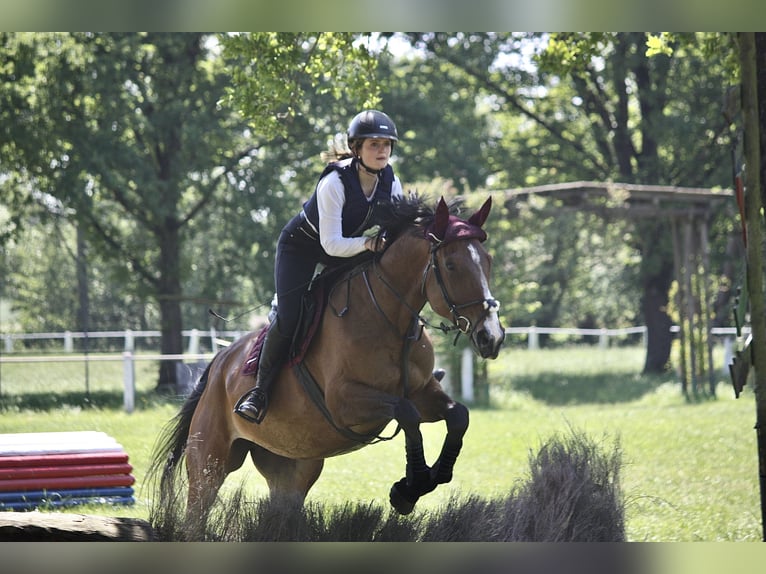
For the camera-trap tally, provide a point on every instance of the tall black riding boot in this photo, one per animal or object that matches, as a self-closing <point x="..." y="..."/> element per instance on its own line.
<point x="253" y="404"/>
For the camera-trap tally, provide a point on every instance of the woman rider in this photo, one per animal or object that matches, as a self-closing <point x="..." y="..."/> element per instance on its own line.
<point x="330" y="225"/>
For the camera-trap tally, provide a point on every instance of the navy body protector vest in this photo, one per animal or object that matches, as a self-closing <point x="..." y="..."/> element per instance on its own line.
<point x="358" y="213"/>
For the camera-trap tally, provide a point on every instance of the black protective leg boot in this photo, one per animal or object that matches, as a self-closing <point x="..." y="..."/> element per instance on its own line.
<point x="253" y="404"/>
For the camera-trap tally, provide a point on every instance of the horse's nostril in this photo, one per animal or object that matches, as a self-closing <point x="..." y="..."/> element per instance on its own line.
<point x="484" y="340"/>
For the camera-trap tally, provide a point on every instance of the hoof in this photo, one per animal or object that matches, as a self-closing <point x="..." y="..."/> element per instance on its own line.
<point x="401" y="503"/>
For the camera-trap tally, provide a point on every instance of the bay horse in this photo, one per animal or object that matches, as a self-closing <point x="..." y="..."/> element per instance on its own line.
<point x="371" y="362"/>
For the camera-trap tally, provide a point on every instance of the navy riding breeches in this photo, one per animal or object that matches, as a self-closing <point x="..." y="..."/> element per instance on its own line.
<point x="298" y="252"/>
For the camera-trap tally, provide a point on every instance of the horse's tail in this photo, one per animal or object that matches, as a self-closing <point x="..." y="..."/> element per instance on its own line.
<point x="171" y="443"/>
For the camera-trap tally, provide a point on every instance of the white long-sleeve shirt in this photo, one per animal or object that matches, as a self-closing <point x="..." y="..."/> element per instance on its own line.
<point x="331" y="197"/>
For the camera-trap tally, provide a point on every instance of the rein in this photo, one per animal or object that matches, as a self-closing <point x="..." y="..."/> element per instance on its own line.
<point x="317" y="396"/>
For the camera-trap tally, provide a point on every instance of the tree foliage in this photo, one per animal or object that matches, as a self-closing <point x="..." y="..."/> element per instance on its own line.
<point x="275" y="75"/>
<point x="182" y="155"/>
<point x="594" y="106"/>
<point x="125" y="134"/>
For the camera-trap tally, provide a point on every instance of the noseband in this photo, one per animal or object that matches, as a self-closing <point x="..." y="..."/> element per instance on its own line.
<point x="460" y="322"/>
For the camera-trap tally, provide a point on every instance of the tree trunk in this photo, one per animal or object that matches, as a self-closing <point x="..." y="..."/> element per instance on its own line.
<point x="169" y="297"/>
<point x="64" y="527"/>
<point x="656" y="252"/>
<point x="83" y="293"/>
<point x="752" y="59"/>
<point x="657" y="274"/>
<point x="658" y="323"/>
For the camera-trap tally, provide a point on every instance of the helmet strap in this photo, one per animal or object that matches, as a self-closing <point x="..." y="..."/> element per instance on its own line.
<point x="375" y="172"/>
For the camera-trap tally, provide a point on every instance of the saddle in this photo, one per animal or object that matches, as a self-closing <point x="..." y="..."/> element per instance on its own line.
<point x="313" y="304"/>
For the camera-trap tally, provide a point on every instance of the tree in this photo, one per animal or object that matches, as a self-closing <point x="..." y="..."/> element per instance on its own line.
<point x="645" y="111"/>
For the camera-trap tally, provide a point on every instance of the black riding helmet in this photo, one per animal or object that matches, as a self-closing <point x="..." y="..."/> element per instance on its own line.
<point x="372" y="124"/>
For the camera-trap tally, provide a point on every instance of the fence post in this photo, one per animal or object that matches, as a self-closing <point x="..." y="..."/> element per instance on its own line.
<point x="129" y="343"/>
<point x="194" y="342"/>
<point x="128" y="382"/>
<point x="603" y="339"/>
<point x="446" y="382"/>
<point x="68" y="342"/>
<point x="8" y="344"/>
<point x="533" y="339"/>
<point x="466" y="375"/>
<point x="213" y="343"/>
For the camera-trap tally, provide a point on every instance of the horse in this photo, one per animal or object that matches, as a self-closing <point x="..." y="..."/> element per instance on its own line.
<point x="370" y="362"/>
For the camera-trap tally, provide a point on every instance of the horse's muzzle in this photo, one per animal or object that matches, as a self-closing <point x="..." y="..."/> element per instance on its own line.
<point x="488" y="338"/>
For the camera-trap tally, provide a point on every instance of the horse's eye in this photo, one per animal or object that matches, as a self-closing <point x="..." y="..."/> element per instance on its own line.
<point x="449" y="265"/>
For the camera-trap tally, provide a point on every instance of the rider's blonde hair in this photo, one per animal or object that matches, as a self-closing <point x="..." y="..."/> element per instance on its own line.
<point x="339" y="149"/>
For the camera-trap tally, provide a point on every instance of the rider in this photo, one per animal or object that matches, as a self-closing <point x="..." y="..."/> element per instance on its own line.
<point x="330" y="225"/>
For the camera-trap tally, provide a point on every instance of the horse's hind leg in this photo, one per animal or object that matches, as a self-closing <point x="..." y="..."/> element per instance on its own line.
<point x="209" y="461"/>
<point x="289" y="480"/>
<point x="205" y="472"/>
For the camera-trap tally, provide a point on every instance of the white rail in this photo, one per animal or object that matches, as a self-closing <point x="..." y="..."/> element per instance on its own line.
<point x="128" y="356"/>
<point x="222" y="338"/>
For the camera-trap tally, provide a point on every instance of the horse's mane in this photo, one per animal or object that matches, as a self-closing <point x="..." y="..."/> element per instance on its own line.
<point x="408" y="212"/>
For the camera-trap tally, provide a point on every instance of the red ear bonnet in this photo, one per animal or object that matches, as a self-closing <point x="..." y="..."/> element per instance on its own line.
<point x="446" y="227"/>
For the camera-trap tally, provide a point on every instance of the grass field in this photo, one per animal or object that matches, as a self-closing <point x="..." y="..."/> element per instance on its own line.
<point x="689" y="467"/>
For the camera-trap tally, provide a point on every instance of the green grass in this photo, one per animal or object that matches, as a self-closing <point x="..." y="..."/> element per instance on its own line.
<point x="689" y="467"/>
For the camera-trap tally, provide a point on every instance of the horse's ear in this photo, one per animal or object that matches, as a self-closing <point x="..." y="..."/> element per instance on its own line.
<point x="480" y="216"/>
<point x="441" y="219"/>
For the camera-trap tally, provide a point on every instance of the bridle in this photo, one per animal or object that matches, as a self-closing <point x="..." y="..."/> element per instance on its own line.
<point x="460" y="322"/>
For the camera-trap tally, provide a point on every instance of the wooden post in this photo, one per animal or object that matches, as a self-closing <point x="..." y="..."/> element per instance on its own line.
<point x="130" y="343"/>
<point x="707" y="302"/>
<point x="688" y="262"/>
<point x="533" y="342"/>
<point x="680" y="305"/>
<point x="754" y="222"/>
<point x="194" y="342"/>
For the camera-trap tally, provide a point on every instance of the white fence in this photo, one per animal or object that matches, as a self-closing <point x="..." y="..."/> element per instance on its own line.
<point x="219" y="339"/>
<point x="128" y="337"/>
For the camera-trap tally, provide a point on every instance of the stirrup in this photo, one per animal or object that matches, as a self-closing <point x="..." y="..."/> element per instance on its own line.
<point x="252" y="406"/>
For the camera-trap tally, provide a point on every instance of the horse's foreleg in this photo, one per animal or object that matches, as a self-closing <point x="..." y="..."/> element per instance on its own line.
<point x="417" y="482"/>
<point x="456" y="417"/>
<point x="432" y="404"/>
<point x="370" y="403"/>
